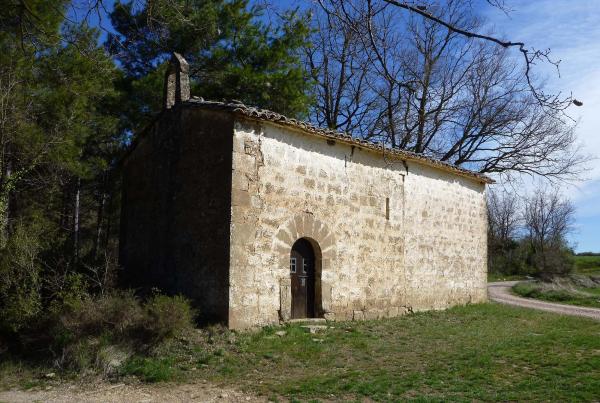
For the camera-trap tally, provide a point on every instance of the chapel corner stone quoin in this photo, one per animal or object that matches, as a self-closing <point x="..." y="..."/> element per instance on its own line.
<point x="259" y="219"/>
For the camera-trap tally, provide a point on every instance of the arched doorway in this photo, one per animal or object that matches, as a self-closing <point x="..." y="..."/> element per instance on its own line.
<point x="302" y="275"/>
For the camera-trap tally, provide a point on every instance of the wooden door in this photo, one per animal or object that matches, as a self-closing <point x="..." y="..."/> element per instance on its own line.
<point x="302" y="273"/>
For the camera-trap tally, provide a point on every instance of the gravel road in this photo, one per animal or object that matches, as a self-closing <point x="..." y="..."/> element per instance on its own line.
<point x="105" y="392"/>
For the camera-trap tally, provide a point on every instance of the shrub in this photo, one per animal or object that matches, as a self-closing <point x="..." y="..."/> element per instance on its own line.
<point x="167" y="316"/>
<point x="556" y="261"/>
<point x="107" y="329"/>
<point x="20" y="284"/>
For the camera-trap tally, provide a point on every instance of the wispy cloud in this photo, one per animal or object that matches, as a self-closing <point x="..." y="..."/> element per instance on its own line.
<point x="571" y="29"/>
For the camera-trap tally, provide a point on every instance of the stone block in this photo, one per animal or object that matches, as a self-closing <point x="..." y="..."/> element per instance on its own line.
<point x="358" y="315"/>
<point x="240" y="198"/>
<point x="309" y="183"/>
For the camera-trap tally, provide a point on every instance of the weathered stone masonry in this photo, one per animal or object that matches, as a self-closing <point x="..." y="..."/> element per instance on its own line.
<point x="217" y="193"/>
<point x="429" y="254"/>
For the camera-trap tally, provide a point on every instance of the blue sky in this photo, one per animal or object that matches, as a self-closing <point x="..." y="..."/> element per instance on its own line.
<point x="571" y="28"/>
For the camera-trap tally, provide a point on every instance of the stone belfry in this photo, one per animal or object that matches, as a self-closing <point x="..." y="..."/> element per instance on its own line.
<point x="177" y="82"/>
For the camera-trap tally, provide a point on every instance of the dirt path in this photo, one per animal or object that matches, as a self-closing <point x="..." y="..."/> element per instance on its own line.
<point x="500" y="292"/>
<point x="106" y="392"/>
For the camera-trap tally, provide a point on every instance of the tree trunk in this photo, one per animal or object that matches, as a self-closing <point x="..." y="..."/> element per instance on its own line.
<point x="100" y="216"/>
<point x="76" y="221"/>
<point x="4" y="204"/>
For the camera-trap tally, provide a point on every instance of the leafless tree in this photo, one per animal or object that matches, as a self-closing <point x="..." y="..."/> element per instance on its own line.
<point x="339" y="65"/>
<point x="548" y="219"/>
<point x="504" y="223"/>
<point x="504" y="216"/>
<point x="435" y="89"/>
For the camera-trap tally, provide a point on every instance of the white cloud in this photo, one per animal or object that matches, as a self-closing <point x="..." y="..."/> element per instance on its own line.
<point x="572" y="30"/>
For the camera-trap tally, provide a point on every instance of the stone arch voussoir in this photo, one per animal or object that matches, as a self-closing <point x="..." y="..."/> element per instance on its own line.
<point x="305" y="225"/>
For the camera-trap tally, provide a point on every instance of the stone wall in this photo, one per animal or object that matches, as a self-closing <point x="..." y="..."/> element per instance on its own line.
<point x="176" y="209"/>
<point x="391" y="237"/>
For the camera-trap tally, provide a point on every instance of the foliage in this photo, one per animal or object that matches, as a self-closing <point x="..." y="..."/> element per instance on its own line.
<point x="121" y="318"/>
<point x="528" y="237"/>
<point x="101" y="333"/>
<point x="20" y="288"/>
<point x="57" y="141"/>
<point x="167" y="316"/>
<point x="233" y="54"/>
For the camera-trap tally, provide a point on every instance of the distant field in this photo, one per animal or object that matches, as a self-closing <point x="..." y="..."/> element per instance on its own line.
<point x="587" y="264"/>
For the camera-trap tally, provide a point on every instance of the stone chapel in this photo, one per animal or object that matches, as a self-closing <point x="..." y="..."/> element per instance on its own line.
<point x="259" y="218"/>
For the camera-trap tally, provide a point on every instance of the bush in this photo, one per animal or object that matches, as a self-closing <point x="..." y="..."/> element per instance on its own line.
<point x="167" y="316"/>
<point x="20" y="280"/>
<point x="556" y="261"/>
<point x="103" y="332"/>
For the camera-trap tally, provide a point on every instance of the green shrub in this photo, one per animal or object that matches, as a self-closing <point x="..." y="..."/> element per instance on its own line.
<point x="119" y="314"/>
<point x="167" y="316"/>
<point x="554" y="261"/>
<point x="20" y="280"/>
<point x="86" y="331"/>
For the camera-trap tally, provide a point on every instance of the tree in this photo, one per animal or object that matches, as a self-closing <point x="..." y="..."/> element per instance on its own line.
<point x="504" y="222"/>
<point x="232" y="53"/>
<point x="57" y="137"/>
<point x="548" y="219"/>
<point x="434" y="88"/>
<point x="340" y="67"/>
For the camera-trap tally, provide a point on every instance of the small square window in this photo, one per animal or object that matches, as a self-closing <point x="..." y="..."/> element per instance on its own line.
<point x="293" y="265"/>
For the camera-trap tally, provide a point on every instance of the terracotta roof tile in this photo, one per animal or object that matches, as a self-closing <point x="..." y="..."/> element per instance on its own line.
<point x="238" y="107"/>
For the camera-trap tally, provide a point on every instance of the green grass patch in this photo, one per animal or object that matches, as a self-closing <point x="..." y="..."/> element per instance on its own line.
<point x="587" y="264"/>
<point x="486" y="352"/>
<point x="570" y="295"/>
<point x="152" y="369"/>
<point x="478" y="352"/>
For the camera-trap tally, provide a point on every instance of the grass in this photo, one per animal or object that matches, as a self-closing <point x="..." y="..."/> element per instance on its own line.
<point x="565" y="291"/>
<point x="152" y="369"/>
<point x="587" y="264"/>
<point x="477" y="352"/>
<point x="533" y="290"/>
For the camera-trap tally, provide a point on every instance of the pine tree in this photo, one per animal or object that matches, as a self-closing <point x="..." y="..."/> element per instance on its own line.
<point x="233" y="54"/>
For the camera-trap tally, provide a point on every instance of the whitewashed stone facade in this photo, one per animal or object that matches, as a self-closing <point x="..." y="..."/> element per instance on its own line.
<point x="394" y="236"/>
<point x="217" y="193"/>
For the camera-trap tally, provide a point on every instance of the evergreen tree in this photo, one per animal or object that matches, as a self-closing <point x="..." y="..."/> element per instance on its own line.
<point x="57" y="137"/>
<point x="233" y="54"/>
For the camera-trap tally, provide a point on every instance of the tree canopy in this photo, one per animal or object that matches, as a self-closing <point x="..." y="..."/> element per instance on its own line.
<point x="234" y="52"/>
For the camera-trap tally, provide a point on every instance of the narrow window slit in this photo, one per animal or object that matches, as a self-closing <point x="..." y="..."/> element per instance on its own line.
<point x="387" y="208"/>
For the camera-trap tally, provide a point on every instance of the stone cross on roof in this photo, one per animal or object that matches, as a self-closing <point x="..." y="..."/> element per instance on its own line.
<point x="177" y="82"/>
